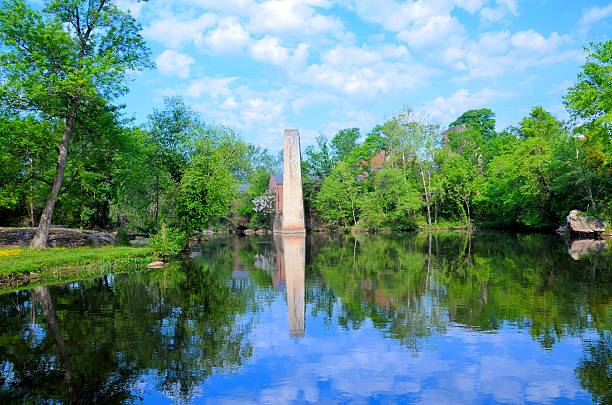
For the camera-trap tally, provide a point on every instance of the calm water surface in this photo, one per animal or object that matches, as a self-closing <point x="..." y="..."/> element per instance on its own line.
<point x="492" y="318"/>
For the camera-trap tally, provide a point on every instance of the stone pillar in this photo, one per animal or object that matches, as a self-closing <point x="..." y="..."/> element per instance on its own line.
<point x="293" y="202"/>
<point x="294" y="261"/>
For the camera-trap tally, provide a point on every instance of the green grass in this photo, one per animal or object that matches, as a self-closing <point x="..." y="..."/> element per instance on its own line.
<point x="26" y="260"/>
<point x="25" y="268"/>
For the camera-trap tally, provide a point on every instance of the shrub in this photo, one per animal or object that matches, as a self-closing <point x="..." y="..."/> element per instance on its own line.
<point x="122" y="237"/>
<point x="167" y="242"/>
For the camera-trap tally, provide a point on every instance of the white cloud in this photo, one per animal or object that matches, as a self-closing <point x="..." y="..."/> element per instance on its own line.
<point x="212" y="87"/>
<point x="381" y="77"/>
<point x="500" y="11"/>
<point x="134" y="7"/>
<point x="496" y="53"/>
<point x="435" y="29"/>
<point x="171" y="62"/>
<point x="470" y="6"/>
<point x="269" y="50"/>
<point x="593" y="15"/>
<point x="448" y="108"/>
<point x="398" y="16"/>
<point x="532" y="40"/>
<point x="174" y="32"/>
<point x="295" y="17"/>
<point x="228" y="36"/>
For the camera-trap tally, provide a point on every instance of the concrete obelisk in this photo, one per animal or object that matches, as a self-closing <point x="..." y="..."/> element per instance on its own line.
<point x="293" y="201"/>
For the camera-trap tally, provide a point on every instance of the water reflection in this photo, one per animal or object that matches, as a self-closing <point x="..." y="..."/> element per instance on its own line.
<point x="292" y="262"/>
<point x="427" y="318"/>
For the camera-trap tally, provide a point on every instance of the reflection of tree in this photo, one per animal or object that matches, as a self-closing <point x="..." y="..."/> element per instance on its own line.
<point x="595" y="369"/>
<point x="383" y="279"/>
<point x="187" y="322"/>
<point x="183" y="323"/>
<point x="413" y="286"/>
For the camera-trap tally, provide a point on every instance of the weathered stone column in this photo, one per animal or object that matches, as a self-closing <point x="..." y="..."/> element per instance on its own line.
<point x="293" y="201"/>
<point x="294" y="260"/>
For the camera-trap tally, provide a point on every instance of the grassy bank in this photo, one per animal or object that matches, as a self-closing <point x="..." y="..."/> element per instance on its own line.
<point x="23" y="260"/>
<point x="24" y="266"/>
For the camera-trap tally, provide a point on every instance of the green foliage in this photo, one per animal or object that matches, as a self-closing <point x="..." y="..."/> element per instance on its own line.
<point x="482" y="121"/>
<point x="344" y="142"/>
<point x="207" y="187"/>
<point x="393" y="202"/>
<point x="337" y="201"/>
<point x="168" y="242"/>
<point x="590" y="104"/>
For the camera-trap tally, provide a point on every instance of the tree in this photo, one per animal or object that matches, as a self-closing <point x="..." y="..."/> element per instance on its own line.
<point x="483" y="121"/>
<point x="540" y="123"/>
<point x="56" y="62"/>
<point x="175" y="130"/>
<point x="318" y="162"/>
<point x="337" y="201"/>
<point x="343" y="143"/>
<point x="459" y="179"/>
<point x="207" y="186"/>
<point x="392" y="202"/>
<point x="411" y="139"/>
<point x="589" y="103"/>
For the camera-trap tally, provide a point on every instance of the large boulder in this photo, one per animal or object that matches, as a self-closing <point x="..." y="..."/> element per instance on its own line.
<point x="579" y="223"/>
<point x="58" y="237"/>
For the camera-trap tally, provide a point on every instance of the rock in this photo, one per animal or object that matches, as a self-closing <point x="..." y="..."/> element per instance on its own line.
<point x="249" y="232"/>
<point x="261" y="232"/>
<point x="58" y="237"/>
<point x="156" y="265"/>
<point x="578" y="222"/>
<point x="580" y="248"/>
<point x="139" y="242"/>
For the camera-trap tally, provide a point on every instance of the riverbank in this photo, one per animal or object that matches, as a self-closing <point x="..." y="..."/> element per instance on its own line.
<point x="24" y="266"/>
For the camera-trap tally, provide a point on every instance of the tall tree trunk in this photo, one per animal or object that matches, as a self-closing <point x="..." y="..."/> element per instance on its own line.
<point x="426" y="195"/>
<point x="42" y="233"/>
<point x="469" y="216"/>
<point x="156" y="202"/>
<point x="31" y="197"/>
<point x="353" y="210"/>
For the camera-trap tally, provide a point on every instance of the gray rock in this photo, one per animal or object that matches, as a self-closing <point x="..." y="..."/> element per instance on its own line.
<point x="249" y="232"/>
<point x="140" y="242"/>
<point x="578" y="222"/>
<point x="58" y="237"/>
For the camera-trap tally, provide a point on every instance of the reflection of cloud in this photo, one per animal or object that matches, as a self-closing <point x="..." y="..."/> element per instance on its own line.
<point x="462" y="366"/>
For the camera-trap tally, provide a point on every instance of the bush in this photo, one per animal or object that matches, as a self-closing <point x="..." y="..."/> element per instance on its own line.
<point x="122" y="237"/>
<point x="167" y="242"/>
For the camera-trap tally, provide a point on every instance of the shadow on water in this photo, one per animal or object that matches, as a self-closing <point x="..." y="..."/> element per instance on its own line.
<point x="164" y="334"/>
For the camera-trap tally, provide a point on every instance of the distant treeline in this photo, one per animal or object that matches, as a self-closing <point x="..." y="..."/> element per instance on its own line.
<point x="409" y="172"/>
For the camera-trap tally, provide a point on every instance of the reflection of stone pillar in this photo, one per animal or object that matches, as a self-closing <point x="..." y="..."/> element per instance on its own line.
<point x="293" y="202"/>
<point x="294" y="259"/>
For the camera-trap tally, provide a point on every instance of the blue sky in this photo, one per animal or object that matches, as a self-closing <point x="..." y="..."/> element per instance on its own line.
<point x="320" y="65"/>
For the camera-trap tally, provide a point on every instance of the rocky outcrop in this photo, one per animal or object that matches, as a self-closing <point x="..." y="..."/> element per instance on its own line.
<point x="58" y="237"/>
<point x="579" y="223"/>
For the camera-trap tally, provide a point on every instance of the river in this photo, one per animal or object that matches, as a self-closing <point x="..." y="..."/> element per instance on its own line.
<point x="444" y="318"/>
